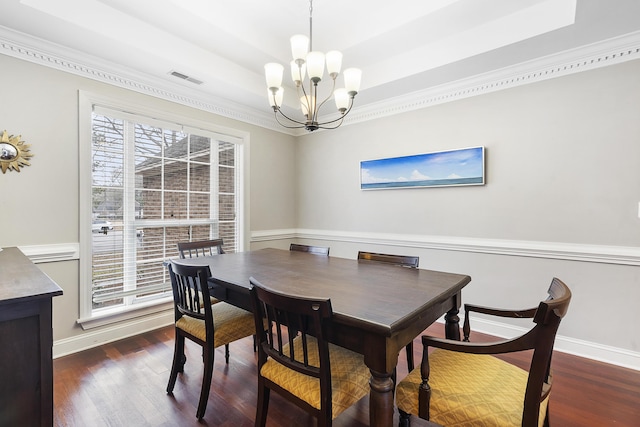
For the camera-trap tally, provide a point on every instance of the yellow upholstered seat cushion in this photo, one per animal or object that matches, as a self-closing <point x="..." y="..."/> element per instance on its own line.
<point x="349" y="376"/>
<point x="469" y="390"/>
<point x="230" y="324"/>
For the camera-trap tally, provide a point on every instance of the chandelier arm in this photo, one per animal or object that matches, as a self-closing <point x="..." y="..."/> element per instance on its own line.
<point x="342" y="116"/>
<point x="288" y="118"/>
<point x="307" y="99"/>
<point x="300" y="125"/>
<point x="313" y="113"/>
<point x="304" y="92"/>
<point x="322" y="126"/>
<point x="317" y="112"/>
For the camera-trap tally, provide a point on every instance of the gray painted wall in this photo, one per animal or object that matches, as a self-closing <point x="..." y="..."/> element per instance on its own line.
<point x="41" y="203"/>
<point x="562" y="167"/>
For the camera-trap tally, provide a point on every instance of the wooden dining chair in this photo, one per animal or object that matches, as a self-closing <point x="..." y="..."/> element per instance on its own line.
<point x="400" y="260"/>
<point x="296" y="361"/>
<point x="316" y="250"/>
<point x="205" y="324"/>
<point x="462" y="384"/>
<point x="200" y="248"/>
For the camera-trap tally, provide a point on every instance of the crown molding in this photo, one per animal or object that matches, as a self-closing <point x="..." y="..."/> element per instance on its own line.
<point x="597" y="55"/>
<point x="42" y="52"/>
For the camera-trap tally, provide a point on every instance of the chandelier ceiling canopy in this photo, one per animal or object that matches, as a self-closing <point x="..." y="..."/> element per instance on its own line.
<point x="307" y="71"/>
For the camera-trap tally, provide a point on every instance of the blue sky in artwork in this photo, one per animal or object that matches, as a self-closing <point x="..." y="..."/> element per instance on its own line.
<point x="465" y="163"/>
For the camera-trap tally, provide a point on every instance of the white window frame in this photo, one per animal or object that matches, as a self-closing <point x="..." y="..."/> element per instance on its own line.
<point x="86" y="103"/>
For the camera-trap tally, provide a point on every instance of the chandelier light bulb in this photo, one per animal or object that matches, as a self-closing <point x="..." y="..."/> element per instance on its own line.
<point x="352" y="78"/>
<point x="315" y="66"/>
<point x="299" y="47"/>
<point x="342" y="99"/>
<point x="273" y="73"/>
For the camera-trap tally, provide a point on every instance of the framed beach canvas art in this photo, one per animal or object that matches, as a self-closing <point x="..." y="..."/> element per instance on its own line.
<point x="438" y="169"/>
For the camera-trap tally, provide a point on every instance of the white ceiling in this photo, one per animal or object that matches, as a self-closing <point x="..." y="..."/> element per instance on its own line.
<point x="401" y="46"/>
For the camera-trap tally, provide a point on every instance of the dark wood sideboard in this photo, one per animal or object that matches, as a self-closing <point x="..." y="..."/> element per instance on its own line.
<point x="26" y="341"/>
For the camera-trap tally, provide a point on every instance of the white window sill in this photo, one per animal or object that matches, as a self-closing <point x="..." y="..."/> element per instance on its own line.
<point x="119" y="314"/>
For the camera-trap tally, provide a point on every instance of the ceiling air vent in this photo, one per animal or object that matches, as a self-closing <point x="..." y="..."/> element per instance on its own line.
<point x="185" y="77"/>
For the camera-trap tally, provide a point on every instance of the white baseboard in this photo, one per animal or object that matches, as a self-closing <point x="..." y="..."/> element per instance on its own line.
<point x="590" y="350"/>
<point x="115" y="332"/>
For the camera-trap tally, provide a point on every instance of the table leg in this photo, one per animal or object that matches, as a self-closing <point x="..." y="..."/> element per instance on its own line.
<point x="452" y="324"/>
<point x="381" y="400"/>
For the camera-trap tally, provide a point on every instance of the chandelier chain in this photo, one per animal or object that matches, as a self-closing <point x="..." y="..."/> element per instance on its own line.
<point x="311" y="25"/>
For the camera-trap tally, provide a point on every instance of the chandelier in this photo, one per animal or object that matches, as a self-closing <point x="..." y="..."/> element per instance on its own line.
<point x="307" y="70"/>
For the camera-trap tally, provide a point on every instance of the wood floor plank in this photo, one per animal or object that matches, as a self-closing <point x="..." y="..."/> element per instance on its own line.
<point x="124" y="384"/>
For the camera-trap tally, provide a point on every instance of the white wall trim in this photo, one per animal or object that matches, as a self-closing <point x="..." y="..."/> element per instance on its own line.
<point x="597" y="55"/>
<point x="113" y="332"/>
<point x="601" y="54"/>
<point x="591" y="350"/>
<point x="622" y="255"/>
<point x="42" y="52"/>
<point x="553" y="250"/>
<point x="123" y="314"/>
<point x="51" y="253"/>
<point x="268" y="235"/>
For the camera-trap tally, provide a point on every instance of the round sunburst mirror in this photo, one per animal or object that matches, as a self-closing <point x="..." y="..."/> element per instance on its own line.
<point x="14" y="153"/>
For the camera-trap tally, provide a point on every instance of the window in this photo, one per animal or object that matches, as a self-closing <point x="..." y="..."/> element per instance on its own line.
<point x="153" y="183"/>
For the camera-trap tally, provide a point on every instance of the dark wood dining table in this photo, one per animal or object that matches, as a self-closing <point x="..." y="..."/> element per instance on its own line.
<point x="377" y="308"/>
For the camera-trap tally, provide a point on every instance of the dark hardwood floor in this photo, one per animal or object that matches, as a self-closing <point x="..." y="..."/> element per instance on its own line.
<point x="123" y="384"/>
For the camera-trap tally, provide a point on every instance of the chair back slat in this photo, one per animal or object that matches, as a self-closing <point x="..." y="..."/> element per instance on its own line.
<point x="401" y="260"/>
<point x="200" y="248"/>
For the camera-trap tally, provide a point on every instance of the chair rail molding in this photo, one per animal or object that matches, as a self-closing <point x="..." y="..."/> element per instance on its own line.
<point x="621" y="255"/>
<point x="51" y="253"/>
<point x="608" y="52"/>
<point x="268" y="235"/>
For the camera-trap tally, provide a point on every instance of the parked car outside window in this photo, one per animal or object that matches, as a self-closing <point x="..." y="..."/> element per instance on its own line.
<point x="101" y="226"/>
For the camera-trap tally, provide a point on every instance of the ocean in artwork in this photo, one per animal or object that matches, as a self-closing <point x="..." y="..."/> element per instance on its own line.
<point x="438" y="169"/>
